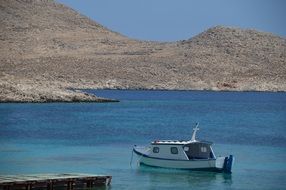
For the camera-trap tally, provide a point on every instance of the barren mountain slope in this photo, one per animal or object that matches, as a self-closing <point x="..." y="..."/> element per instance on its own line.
<point x="46" y="47"/>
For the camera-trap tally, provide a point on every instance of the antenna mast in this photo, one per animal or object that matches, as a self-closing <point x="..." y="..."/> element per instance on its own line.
<point x="195" y="132"/>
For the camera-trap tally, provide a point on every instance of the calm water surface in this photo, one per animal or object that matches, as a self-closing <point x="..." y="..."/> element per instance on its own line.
<point x="98" y="138"/>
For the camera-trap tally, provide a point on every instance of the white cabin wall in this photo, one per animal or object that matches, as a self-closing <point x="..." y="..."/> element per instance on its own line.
<point x="165" y="152"/>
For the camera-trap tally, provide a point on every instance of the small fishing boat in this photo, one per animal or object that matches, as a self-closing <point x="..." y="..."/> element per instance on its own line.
<point x="191" y="155"/>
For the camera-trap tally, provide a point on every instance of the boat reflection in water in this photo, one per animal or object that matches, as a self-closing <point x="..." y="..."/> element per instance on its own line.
<point x="182" y="178"/>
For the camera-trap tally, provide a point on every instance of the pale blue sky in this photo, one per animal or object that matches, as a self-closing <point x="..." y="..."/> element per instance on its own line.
<point x="171" y="20"/>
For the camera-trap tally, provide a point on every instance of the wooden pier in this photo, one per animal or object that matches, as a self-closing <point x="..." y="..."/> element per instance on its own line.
<point x="53" y="181"/>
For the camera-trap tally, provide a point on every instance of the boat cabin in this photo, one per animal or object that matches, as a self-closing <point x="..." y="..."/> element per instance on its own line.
<point x="199" y="150"/>
<point x="181" y="150"/>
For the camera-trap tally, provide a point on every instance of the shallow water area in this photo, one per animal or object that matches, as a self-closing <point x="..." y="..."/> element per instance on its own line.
<point x="98" y="138"/>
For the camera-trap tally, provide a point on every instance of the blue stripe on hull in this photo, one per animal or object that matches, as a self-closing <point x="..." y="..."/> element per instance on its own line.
<point x="190" y="169"/>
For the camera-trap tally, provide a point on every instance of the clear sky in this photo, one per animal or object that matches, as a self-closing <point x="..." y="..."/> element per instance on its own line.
<point x="171" y="20"/>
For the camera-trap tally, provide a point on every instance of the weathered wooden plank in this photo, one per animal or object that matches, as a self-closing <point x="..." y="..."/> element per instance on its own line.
<point x="52" y="181"/>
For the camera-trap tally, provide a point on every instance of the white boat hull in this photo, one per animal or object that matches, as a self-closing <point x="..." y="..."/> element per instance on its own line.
<point x="196" y="164"/>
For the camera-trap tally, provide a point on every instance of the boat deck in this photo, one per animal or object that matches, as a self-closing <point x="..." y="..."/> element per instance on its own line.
<point x="53" y="181"/>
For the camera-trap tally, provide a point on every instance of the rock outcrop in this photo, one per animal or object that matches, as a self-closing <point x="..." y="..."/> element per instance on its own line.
<point x="47" y="48"/>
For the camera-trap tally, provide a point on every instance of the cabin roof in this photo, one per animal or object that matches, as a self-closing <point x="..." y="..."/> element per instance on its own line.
<point x="178" y="142"/>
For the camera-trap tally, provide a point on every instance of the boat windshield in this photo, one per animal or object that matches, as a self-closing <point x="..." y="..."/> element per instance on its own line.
<point x="198" y="150"/>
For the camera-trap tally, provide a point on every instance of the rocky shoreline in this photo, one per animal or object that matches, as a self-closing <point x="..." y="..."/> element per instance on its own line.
<point x="20" y="90"/>
<point x="70" y="98"/>
<point x="31" y="91"/>
<point x="35" y="92"/>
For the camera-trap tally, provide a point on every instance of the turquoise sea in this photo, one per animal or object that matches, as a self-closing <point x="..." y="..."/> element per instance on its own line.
<point x="98" y="138"/>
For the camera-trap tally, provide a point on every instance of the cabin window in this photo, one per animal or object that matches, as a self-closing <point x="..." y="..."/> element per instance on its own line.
<point x="203" y="149"/>
<point x="156" y="149"/>
<point x="198" y="151"/>
<point x="186" y="148"/>
<point x="174" y="150"/>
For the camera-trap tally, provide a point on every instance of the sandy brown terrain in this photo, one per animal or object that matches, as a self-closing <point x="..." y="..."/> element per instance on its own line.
<point x="47" y="48"/>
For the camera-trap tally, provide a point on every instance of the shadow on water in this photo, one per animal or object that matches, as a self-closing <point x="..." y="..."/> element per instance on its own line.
<point x="174" y="177"/>
<point x="99" y="188"/>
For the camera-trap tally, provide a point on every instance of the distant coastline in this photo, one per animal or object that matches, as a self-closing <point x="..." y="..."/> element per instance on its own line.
<point x="83" y="95"/>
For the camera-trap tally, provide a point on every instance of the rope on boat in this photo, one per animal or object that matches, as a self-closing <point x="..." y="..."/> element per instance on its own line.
<point x="138" y="160"/>
<point x="131" y="160"/>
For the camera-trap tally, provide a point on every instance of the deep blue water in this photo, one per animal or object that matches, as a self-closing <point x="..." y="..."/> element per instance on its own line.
<point x="98" y="138"/>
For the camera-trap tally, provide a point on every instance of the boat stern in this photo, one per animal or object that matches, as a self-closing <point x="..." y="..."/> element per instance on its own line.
<point x="224" y="164"/>
<point x="228" y="163"/>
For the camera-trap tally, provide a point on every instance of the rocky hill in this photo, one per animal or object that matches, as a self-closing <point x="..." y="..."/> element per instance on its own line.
<point x="47" y="48"/>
